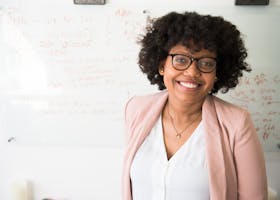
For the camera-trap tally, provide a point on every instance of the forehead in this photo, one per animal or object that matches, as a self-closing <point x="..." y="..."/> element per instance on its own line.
<point x="191" y="51"/>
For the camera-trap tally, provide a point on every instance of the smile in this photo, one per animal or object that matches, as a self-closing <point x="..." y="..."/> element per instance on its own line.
<point x="189" y="85"/>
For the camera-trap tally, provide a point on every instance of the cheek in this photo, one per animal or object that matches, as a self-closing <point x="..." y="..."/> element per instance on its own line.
<point x="211" y="81"/>
<point x="165" y="80"/>
<point x="209" y="78"/>
<point x="169" y="76"/>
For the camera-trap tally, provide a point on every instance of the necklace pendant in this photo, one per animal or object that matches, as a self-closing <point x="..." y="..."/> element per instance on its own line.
<point x="178" y="136"/>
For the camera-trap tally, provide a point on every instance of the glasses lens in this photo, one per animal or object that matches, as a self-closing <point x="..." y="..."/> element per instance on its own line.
<point x="181" y="61"/>
<point x="206" y="64"/>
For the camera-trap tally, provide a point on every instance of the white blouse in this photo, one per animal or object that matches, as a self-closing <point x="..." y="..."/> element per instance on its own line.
<point x="183" y="177"/>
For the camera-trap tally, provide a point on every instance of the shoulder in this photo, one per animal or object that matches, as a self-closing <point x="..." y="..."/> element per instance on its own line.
<point x="141" y="105"/>
<point x="145" y="100"/>
<point x="226" y="108"/>
<point x="232" y="117"/>
<point x="234" y="121"/>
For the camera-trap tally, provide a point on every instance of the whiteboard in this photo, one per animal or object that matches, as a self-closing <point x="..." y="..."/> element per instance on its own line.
<point x="66" y="71"/>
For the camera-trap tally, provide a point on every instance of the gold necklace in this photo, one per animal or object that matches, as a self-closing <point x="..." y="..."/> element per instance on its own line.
<point x="179" y="133"/>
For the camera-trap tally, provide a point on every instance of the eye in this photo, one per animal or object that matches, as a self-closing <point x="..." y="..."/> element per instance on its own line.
<point x="207" y="62"/>
<point x="180" y="59"/>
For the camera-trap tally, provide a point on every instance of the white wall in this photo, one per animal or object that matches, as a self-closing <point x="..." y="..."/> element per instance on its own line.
<point x="61" y="172"/>
<point x="88" y="172"/>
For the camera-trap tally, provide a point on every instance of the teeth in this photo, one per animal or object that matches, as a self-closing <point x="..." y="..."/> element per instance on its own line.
<point x="189" y="85"/>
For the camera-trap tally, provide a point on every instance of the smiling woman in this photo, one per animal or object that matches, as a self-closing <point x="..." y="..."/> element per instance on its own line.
<point x="183" y="142"/>
<point x="189" y="84"/>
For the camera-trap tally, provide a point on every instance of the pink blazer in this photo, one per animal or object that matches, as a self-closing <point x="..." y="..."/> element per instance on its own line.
<point x="234" y="155"/>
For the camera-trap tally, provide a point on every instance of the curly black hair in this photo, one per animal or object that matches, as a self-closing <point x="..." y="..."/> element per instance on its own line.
<point x="195" y="32"/>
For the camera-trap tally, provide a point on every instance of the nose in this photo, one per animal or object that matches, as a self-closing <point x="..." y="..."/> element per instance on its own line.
<point x="192" y="70"/>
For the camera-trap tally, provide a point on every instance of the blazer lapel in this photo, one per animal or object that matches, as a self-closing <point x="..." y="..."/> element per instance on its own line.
<point x="149" y="120"/>
<point x="141" y="131"/>
<point x="214" y="151"/>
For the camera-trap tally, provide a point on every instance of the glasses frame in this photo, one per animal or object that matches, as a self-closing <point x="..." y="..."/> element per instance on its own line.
<point x="192" y="60"/>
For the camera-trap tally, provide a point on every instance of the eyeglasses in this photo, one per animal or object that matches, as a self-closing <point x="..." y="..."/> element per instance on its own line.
<point x="204" y="64"/>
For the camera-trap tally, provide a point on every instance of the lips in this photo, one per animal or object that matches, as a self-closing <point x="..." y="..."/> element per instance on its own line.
<point x="189" y="85"/>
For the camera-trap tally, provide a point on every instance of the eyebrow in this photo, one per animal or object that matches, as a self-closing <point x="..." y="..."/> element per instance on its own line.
<point x="203" y="56"/>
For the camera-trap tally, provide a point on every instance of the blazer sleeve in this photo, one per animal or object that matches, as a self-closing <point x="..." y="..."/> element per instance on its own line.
<point x="249" y="161"/>
<point x="127" y="118"/>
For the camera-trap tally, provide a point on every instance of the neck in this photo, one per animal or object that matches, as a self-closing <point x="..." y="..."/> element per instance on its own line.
<point x="183" y="112"/>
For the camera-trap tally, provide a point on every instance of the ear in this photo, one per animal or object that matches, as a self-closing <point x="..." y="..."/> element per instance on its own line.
<point x="161" y="68"/>
<point x="161" y="71"/>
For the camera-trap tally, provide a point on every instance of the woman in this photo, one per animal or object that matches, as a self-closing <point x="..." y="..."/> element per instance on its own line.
<point x="183" y="142"/>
